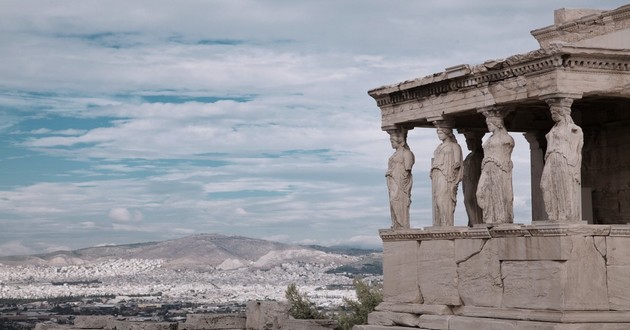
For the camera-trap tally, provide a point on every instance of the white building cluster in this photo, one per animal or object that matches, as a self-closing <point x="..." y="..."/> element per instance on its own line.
<point x="143" y="277"/>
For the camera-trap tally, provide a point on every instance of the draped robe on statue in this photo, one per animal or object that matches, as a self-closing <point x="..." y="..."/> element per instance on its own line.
<point x="446" y="173"/>
<point x="399" y="182"/>
<point x="494" y="191"/>
<point x="561" y="177"/>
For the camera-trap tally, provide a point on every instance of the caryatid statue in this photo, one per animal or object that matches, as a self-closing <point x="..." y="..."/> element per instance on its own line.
<point x="561" y="177"/>
<point x="494" y="191"/>
<point x="399" y="179"/>
<point x="446" y="173"/>
<point x="472" y="171"/>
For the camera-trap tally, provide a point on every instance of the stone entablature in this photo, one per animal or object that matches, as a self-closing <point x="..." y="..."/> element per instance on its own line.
<point x="594" y="23"/>
<point x="466" y="88"/>
<point x="512" y="230"/>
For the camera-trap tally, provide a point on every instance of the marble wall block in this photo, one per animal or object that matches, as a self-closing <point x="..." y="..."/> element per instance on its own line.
<point x="400" y="272"/>
<point x="533" y="284"/>
<point x="392" y="318"/>
<point x="618" y="275"/>
<point x="479" y="282"/>
<point x="585" y="287"/>
<point x="438" y="273"/>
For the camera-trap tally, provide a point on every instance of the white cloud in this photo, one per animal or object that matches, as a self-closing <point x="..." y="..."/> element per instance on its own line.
<point x="303" y="157"/>
<point x="366" y="241"/>
<point x="122" y="214"/>
<point x="14" y="248"/>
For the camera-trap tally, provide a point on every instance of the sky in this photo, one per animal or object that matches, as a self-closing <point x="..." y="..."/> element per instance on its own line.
<point x="133" y="121"/>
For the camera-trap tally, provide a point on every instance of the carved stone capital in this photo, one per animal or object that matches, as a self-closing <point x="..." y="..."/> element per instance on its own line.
<point x="561" y="100"/>
<point x="495" y="111"/>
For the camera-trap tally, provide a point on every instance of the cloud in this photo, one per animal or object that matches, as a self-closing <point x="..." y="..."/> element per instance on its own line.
<point x="122" y="214"/>
<point x="242" y="117"/>
<point x="12" y="248"/>
<point x="366" y="241"/>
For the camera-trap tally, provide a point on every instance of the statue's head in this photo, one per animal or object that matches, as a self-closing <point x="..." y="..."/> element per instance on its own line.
<point x="494" y="121"/>
<point x="398" y="137"/>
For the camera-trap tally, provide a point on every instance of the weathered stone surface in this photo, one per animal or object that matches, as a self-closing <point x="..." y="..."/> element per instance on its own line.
<point x="94" y="321"/>
<point x="600" y="244"/>
<point x="545" y="315"/>
<point x="400" y="272"/>
<point x="213" y="321"/>
<point x="618" y="251"/>
<point x="266" y="314"/>
<point x="619" y="287"/>
<point x="509" y="313"/>
<point x="533" y="284"/>
<point x="468" y="323"/>
<point x="126" y="325"/>
<point x="438" y="275"/>
<point x="591" y="326"/>
<point x="585" y="287"/>
<point x="534" y="248"/>
<point x="393" y="318"/>
<point x="415" y="308"/>
<point x="44" y="326"/>
<point x="480" y="281"/>
<point x="439" y="322"/>
<point x="382" y="327"/>
<point x="465" y="248"/>
<point x="293" y="324"/>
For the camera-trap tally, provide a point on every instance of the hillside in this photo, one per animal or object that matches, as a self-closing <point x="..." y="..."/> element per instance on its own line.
<point x="200" y="251"/>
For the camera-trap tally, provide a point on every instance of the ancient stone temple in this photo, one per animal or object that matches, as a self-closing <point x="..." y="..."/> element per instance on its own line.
<point x="569" y="268"/>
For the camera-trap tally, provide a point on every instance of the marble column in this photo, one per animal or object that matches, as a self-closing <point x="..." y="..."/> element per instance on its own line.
<point x="399" y="178"/>
<point x="472" y="172"/>
<point x="537" y="146"/>
<point x="561" y="181"/>
<point x="446" y="173"/>
<point x="494" y="192"/>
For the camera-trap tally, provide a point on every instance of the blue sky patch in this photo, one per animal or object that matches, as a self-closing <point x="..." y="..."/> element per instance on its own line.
<point x="178" y="99"/>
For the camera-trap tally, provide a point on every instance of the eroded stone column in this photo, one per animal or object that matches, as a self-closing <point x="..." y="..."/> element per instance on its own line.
<point x="494" y="191"/>
<point x="561" y="181"/>
<point x="472" y="171"/>
<point x="446" y="173"/>
<point x="537" y="145"/>
<point x="399" y="178"/>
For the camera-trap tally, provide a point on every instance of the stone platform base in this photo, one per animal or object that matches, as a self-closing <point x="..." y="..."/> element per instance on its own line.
<point x="534" y="277"/>
<point x="390" y="316"/>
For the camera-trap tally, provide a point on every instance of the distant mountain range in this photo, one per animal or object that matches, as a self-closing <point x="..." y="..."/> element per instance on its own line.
<point x="205" y="251"/>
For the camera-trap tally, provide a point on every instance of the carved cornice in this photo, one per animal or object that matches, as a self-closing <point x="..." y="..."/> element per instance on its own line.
<point x="509" y="231"/>
<point x="445" y="233"/>
<point x="622" y="230"/>
<point x="543" y="229"/>
<point x="566" y="58"/>
<point x="553" y="231"/>
<point x="584" y="28"/>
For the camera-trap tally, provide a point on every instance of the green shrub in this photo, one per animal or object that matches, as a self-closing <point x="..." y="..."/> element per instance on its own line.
<point x="300" y="306"/>
<point x="356" y="311"/>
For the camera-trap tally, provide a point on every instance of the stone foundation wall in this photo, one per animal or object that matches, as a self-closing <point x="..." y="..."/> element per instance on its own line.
<point x="260" y="315"/>
<point x="508" y="277"/>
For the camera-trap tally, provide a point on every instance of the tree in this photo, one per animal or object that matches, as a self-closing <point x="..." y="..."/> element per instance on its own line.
<point x="356" y="311"/>
<point x="300" y="306"/>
